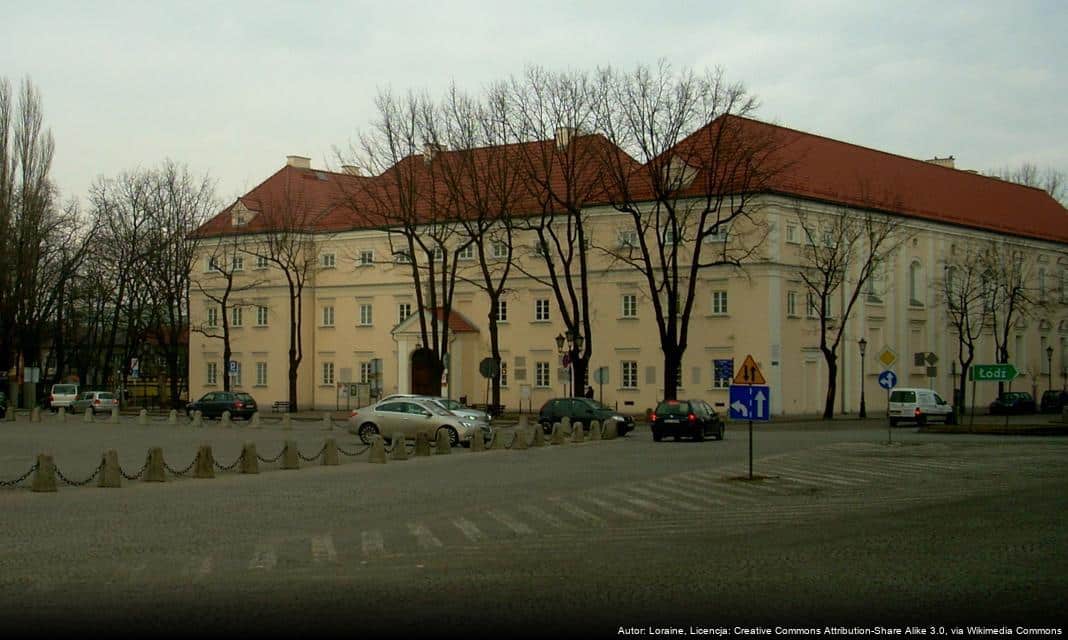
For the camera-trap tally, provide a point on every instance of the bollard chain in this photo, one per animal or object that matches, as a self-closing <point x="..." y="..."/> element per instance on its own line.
<point x="138" y="475"/>
<point x="274" y="459"/>
<point x="183" y="471"/>
<point x="229" y="467"/>
<point x="353" y="453"/>
<point x="73" y="483"/>
<point x="11" y="483"/>
<point x="313" y="458"/>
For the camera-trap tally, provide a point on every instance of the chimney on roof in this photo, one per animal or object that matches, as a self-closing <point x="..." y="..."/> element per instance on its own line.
<point x="943" y="162"/>
<point x="564" y="136"/>
<point x="300" y="162"/>
<point x="351" y="169"/>
<point x="431" y="149"/>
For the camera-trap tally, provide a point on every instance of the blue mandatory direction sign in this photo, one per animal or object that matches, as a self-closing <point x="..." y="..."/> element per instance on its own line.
<point x="888" y="380"/>
<point x="750" y="402"/>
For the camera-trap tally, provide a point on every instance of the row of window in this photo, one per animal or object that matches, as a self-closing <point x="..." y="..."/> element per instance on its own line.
<point x="367" y="373"/>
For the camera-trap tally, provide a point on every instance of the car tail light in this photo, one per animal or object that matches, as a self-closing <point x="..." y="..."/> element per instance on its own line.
<point x="239" y="405"/>
<point x="917" y="412"/>
<point x="96" y="401"/>
<point x="52" y="397"/>
<point x="652" y="416"/>
<point x="692" y="418"/>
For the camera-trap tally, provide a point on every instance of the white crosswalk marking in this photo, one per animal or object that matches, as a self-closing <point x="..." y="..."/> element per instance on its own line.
<point x="726" y="491"/>
<point x="665" y="498"/>
<point x="830" y="478"/>
<point x="608" y="506"/>
<point x="373" y="544"/>
<point x="322" y="548"/>
<point x="577" y="512"/>
<point x="693" y="494"/>
<point x="468" y="528"/>
<point x="637" y="502"/>
<point x="510" y="522"/>
<point x="264" y="558"/>
<point x="423" y="536"/>
<point x="543" y="516"/>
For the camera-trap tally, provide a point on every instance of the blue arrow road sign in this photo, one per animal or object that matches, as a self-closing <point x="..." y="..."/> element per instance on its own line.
<point x="888" y="380"/>
<point x="750" y="402"/>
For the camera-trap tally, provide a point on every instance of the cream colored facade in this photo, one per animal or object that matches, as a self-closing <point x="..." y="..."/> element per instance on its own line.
<point x="354" y="303"/>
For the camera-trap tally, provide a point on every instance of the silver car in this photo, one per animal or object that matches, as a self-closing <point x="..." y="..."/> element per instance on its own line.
<point x="449" y="404"/>
<point x="409" y="416"/>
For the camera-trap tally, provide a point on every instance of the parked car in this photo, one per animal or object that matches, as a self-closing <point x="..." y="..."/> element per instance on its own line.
<point x="3" y="405"/>
<point x="62" y="395"/>
<point x="919" y="406"/>
<point x="690" y="418"/>
<point x="214" y="403"/>
<point x="409" y="416"/>
<point x="98" y="401"/>
<point x="584" y="410"/>
<point x="1054" y="401"/>
<point x="449" y="404"/>
<point x="1013" y="402"/>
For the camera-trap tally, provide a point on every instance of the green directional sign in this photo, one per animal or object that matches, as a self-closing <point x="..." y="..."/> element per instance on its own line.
<point x="994" y="372"/>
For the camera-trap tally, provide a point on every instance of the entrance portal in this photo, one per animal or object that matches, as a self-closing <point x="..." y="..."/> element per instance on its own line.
<point x="426" y="372"/>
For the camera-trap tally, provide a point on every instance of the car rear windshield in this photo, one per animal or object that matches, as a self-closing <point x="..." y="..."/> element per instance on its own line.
<point x="903" y="396"/>
<point x="65" y="389"/>
<point x="105" y="396"/>
<point x="673" y="407"/>
<point x="244" y="397"/>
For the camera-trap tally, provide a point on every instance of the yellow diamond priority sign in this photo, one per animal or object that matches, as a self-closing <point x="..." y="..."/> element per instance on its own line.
<point x="887" y="357"/>
<point x="749" y="373"/>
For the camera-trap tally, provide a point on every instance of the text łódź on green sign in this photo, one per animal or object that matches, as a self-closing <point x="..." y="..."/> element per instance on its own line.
<point x="994" y="372"/>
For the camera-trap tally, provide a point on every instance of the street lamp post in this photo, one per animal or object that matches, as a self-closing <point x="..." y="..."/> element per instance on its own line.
<point x="1049" y="366"/>
<point x="863" y="344"/>
<point x="574" y="345"/>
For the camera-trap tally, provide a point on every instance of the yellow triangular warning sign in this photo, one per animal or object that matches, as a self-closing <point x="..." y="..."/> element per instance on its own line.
<point x="749" y="373"/>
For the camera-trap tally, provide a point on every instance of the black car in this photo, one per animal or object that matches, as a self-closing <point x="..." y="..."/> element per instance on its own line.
<point x="1013" y="402"/>
<point x="690" y="418"/>
<point x="214" y="403"/>
<point x="582" y="410"/>
<point x="3" y="405"/>
<point x="1054" y="401"/>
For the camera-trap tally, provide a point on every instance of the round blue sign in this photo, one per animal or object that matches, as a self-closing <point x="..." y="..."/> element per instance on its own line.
<point x="887" y="380"/>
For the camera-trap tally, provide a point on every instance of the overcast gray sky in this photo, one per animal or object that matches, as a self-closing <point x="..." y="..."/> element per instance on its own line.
<point x="231" y="88"/>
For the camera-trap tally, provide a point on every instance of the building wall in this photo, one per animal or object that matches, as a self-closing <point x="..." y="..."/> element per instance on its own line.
<point x="758" y="321"/>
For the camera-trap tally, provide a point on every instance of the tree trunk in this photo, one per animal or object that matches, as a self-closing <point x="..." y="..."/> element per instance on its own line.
<point x="672" y="362"/>
<point x="832" y="386"/>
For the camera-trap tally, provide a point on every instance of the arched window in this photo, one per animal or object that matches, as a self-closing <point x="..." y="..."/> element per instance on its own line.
<point x="915" y="274"/>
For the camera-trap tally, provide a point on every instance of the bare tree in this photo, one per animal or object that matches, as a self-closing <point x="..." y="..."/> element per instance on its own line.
<point x="839" y="257"/>
<point x="693" y="193"/>
<point x="1029" y="174"/>
<point x="962" y="290"/>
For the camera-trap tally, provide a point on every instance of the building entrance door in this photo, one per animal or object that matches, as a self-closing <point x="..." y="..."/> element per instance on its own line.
<point x="426" y="373"/>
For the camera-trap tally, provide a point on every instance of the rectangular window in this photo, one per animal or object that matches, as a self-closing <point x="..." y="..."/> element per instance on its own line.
<point x="328" y="373"/>
<point x="213" y="264"/>
<point x="628" y="238"/>
<point x="502" y="311"/>
<point x="467" y="253"/>
<point x="670" y="237"/>
<point x="791" y="304"/>
<point x="328" y="260"/>
<point x="541" y="374"/>
<point x="791" y="234"/>
<point x="500" y="250"/>
<point x="261" y="316"/>
<point x="238" y="263"/>
<point x="630" y="305"/>
<point x="366" y="372"/>
<point x="213" y="316"/>
<point x="541" y="310"/>
<point x="719" y="303"/>
<point x="328" y="316"/>
<point x="261" y="262"/>
<point x="721" y="378"/>
<point x="213" y="373"/>
<point x="629" y="374"/>
<point x="402" y="257"/>
<point x="366" y="315"/>
<point x="367" y="258"/>
<point x="404" y="311"/>
<point x="235" y="373"/>
<point x="236" y="315"/>
<point x="261" y="374"/>
<point x="719" y="234"/>
<point x="541" y="249"/>
<point x="811" y="310"/>
<point x="504" y="374"/>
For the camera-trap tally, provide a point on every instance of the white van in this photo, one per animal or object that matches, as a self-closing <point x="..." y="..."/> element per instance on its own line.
<point x="62" y="396"/>
<point x="919" y="406"/>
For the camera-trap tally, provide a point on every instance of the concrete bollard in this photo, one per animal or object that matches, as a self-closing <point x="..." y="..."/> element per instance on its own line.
<point x="205" y="463"/>
<point x="566" y="423"/>
<point x="110" y="473"/>
<point x="10" y="415"/>
<point x="290" y="459"/>
<point x="443" y="444"/>
<point x="400" y="447"/>
<point x="611" y="429"/>
<point x="519" y="439"/>
<point x="378" y="451"/>
<point x="496" y="441"/>
<point x="155" y="472"/>
<point x="114" y="415"/>
<point x="250" y="462"/>
<point x="577" y="432"/>
<point x="539" y="436"/>
<point x="44" y="478"/>
<point x="172" y="417"/>
<point x="35" y="414"/>
<point x="256" y="421"/>
<point x="477" y="443"/>
<point x="330" y="455"/>
<point x="142" y="417"/>
<point x="287" y="422"/>
<point x="558" y="434"/>
<point x="225" y="421"/>
<point x="62" y="415"/>
<point x="422" y="444"/>
<point x="197" y="420"/>
<point x="88" y="416"/>
<point x="328" y="422"/>
<point x="595" y="430"/>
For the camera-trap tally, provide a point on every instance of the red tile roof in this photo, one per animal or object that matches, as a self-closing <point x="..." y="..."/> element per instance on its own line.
<point x="457" y="322"/>
<point x="809" y="166"/>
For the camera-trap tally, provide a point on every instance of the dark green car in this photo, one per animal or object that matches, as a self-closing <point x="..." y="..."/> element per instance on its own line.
<point x="214" y="403"/>
<point x="3" y="405"/>
<point x="582" y="410"/>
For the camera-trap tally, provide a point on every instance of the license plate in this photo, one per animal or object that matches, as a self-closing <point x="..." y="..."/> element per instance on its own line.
<point x="671" y="421"/>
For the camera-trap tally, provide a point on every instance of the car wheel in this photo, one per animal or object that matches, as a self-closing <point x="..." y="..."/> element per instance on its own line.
<point x="893" y="422"/>
<point x="657" y="437"/>
<point x="547" y="427"/>
<point x="951" y="417"/>
<point x="367" y="432"/>
<point x="722" y="432"/>
<point x="454" y="438"/>
<point x="699" y="435"/>
<point x="922" y="421"/>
